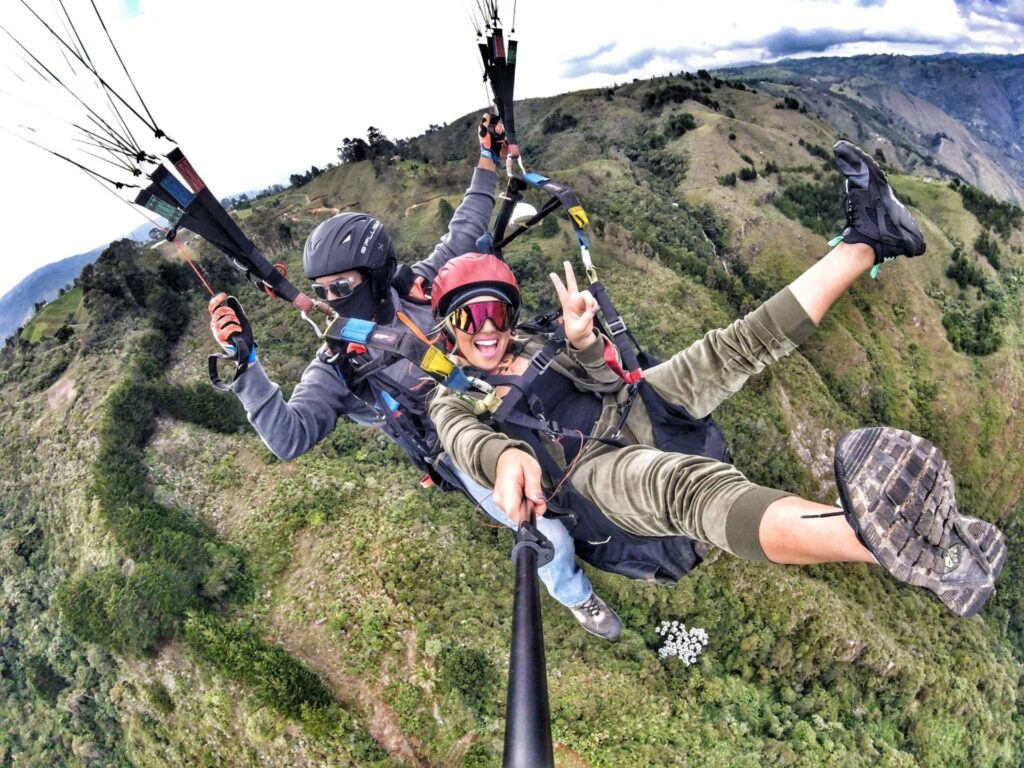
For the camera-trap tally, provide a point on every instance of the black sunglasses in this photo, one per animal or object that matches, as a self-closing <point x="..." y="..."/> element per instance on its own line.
<point x="342" y="289"/>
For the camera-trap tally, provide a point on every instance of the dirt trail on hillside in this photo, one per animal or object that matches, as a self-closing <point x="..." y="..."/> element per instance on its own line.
<point x="311" y="643"/>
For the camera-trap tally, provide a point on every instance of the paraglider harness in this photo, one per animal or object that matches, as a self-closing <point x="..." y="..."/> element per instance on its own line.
<point x="523" y="413"/>
<point x="404" y="415"/>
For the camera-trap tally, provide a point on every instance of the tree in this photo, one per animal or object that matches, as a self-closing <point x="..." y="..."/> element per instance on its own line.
<point x="380" y="145"/>
<point x="353" y="151"/>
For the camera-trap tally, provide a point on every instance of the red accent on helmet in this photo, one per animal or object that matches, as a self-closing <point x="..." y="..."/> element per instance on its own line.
<point x="471" y="275"/>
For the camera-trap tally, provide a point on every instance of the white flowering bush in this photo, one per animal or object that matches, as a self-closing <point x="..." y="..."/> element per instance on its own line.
<point x="685" y="644"/>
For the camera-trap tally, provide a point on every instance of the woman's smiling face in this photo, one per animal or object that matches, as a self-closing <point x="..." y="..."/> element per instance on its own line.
<point x="485" y="349"/>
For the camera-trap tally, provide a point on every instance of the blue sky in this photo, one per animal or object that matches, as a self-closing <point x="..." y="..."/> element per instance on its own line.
<point x="256" y="91"/>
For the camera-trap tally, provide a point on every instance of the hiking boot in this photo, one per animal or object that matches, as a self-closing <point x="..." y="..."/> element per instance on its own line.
<point x="899" y="496"/>
<point x="595" y="616"/>
<point x="873" y="214"/>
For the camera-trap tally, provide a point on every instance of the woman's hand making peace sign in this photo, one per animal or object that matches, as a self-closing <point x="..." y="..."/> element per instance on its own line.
<point x="578" y="309"/>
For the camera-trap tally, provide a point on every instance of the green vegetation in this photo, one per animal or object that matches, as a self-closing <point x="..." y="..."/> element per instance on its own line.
<point x="988" y="247"/>
<point x="817" y="151"/>
<point x="236" y="650"/>
<point x="172" y="595"/>
<point x="818" y="205"/>
<point x="991" y="213"/>
<point x="680" y="123"/>
<point x="965" y="270"/>
<point x="58" y="318"/>
<point x="676" y="93"/>
<point x="974" y="331"/>
<point x="557" y="122"/>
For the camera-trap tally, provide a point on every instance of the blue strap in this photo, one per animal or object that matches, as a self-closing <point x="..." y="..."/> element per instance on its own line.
<point x="485" y="243"/>
<point x="458" y="381"/>
<point x="535" y="179"/>
<point x="390" y="403"/>
<point x="177" y="190"/>
<point x="357" y="330"/>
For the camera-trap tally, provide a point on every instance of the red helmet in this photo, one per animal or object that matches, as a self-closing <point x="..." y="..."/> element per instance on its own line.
<point x="469" y="276"/>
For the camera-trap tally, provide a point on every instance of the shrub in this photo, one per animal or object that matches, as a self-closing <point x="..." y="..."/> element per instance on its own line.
<point x="965" y="270"/>
<point x="470" y="673"/>
<point x="728" y="180"/>
<point x="748" y="173"/>
<point x="557" y="121"/>
<point x="277" y="680"/>
<point x="445" y="211"/>
<point x="676" y="93"/>
<point x="988" y="247"/>
<point x="990" y="212"/>
<point x="679" y="124"/>
<point x="973" y="332"/>
<point x="130" y="614"/>
<point x="818" y="207"/>
<point x="549" y="227"/>
<point x="817" y="151"/>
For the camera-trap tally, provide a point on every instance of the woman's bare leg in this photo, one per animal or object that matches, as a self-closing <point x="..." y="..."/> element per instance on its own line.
<point x="818" y="288"/>
<point x="787" y="536"/>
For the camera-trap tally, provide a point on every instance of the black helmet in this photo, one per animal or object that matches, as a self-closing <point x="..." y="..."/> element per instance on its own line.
<point x="351" y="241"/>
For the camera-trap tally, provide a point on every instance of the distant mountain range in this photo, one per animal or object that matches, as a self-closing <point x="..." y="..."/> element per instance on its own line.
<point x="955" y="114"/>
<point x="18" y="304"/>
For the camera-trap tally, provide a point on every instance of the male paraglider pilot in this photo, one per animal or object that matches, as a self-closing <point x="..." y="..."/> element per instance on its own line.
<point x="573" y="450"/>
<point x="351" y="260"/>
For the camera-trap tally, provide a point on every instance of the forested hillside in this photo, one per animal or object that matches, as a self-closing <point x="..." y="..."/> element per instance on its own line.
<point x="173" y="595"/>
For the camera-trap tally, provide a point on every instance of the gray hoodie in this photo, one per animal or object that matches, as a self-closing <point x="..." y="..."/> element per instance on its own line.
<point x="291" y="428"/>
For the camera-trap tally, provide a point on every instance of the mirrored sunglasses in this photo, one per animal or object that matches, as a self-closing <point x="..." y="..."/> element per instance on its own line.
<point x="471" y="318"/>
<point x="342" y="289"/>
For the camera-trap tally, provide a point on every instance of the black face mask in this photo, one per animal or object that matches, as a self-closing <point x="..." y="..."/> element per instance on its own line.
<point x="361" y="304"/>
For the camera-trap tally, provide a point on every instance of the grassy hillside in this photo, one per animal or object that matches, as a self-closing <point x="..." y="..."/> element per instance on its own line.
<point x="952" y="115"/>
<point x="62" y="311"/>
<point x="388" y="606"/>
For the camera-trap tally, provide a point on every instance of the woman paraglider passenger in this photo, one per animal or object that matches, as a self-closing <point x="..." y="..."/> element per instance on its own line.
<point x="569" y="444"/>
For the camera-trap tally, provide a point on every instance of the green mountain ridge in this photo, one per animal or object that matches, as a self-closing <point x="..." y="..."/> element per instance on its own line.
<point x="398" y="599"/>
<point x="952" y="114"/>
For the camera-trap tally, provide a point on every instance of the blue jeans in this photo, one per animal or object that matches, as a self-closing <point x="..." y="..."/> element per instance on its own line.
<point x="564" y="579"/>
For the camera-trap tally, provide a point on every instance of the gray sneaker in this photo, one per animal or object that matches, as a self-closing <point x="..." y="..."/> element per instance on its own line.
<point x="899" y="496"/>
<point x="595" y="616"/>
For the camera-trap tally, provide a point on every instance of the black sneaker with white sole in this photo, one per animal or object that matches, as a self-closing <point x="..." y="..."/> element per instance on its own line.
<point x="874" y="215"/>
<point x="597" y="617"/>
<point x="898" y="494"/>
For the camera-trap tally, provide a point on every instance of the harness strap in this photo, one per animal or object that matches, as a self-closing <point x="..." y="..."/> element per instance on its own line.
<point x="539" y="363"/>
<point x="612" y="362"/>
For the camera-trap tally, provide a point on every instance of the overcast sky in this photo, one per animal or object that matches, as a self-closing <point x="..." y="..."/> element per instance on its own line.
<point x="255" y="91"/>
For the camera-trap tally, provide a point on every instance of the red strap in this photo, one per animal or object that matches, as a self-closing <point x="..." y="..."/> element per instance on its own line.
<point x="355" y="349"/>
<point x="417" y="291"/>
<point x="266" y="286"/>
<point x="426" y="481"/>
<point x="612" y="360"/>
